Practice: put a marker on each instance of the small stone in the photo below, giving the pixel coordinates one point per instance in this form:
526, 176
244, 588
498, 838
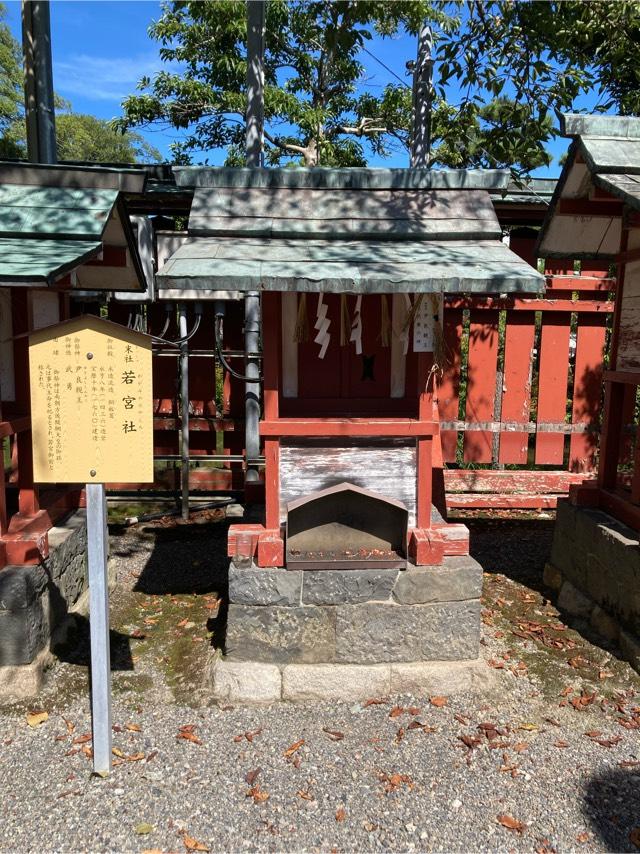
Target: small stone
410, 828
455, 805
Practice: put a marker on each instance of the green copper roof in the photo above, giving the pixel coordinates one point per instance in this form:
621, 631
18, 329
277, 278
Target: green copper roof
362, 266
54, 211
29, 260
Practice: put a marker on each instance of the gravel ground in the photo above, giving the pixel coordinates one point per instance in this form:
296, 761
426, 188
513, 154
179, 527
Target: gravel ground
550, 761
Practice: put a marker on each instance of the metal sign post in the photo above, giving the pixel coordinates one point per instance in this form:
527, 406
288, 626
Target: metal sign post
97, 539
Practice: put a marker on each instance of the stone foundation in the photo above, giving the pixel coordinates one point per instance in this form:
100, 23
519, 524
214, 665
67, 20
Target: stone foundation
595, 569
34, 602
302, 634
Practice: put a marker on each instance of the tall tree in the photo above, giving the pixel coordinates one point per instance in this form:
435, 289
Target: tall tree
504, 69
83, 137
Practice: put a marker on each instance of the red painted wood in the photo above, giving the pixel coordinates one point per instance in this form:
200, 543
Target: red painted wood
272, 483
552, 385
424, 488
587, 391
610, 441
449, 386
486, 480
271, 353
517, 375
481, 383
558, 265
531, 304
501, 502
348, 427
112, 256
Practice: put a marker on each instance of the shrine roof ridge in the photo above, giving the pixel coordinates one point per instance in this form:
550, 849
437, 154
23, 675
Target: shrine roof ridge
356, 178
601, 126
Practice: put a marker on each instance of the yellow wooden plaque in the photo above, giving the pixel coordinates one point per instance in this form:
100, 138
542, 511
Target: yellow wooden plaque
91, 403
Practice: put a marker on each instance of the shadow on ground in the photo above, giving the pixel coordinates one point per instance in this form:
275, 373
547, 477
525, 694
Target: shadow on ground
612, 808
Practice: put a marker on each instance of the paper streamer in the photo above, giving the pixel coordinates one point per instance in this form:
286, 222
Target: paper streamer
322, 324
356, 326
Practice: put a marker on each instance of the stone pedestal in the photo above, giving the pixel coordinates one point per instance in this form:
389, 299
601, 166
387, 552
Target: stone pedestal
34, 601
595, 569
350, 634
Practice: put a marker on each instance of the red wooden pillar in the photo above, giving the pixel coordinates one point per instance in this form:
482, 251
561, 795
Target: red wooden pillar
271, 372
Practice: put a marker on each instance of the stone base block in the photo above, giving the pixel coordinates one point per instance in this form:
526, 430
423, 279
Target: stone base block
441, 677
426, 546
552, 577
24, 682
256, 683
334, 681
246, 682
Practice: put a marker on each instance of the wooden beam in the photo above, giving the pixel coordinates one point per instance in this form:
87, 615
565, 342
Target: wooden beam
400, 427
590, 207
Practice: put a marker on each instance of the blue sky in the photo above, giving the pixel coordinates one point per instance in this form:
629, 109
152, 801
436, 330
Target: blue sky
101, 49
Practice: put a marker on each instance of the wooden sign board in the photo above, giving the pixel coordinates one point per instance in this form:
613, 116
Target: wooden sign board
91, 403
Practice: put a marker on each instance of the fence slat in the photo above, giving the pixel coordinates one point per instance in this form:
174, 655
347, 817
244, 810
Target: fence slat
552, 385
587, 390
516, 396
481, 383
449, 390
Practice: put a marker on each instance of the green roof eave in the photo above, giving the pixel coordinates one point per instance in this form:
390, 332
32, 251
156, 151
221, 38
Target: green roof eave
348, 267
32, 261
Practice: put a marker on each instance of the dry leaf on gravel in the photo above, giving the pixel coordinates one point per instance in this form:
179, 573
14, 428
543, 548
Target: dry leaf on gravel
251, 776
82, 739
133, 727
293, 747
582, 837
340, 814
258, 795
192, 844
305, 794
334, 734
439, 702
187, 734
36, 719
511, 823
374, 701
396, 711
144, 828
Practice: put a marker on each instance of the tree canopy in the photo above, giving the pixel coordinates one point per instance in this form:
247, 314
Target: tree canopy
503, 71
78, 136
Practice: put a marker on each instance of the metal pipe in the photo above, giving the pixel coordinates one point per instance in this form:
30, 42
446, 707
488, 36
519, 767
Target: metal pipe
184, 409
38, 82
252, 385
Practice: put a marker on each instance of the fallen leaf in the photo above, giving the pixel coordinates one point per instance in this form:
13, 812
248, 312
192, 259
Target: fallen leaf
82, 739
529, 727
187, 733
334, 734
143, 828
133, 727
340, 814
36, 719
372, 702
413, 710
438, 701
399, 735
511, 823
582, 837
396, 711
305, 794
70, 726
293, 747
634, 837
117, 752
629, 763
192, 844
251, 776
134, 757
257, 794
560, 743
521, 746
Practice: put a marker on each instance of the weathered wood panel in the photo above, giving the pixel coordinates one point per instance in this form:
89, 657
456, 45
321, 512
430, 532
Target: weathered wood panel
552, 385
481, 383
516, 387
385, 467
